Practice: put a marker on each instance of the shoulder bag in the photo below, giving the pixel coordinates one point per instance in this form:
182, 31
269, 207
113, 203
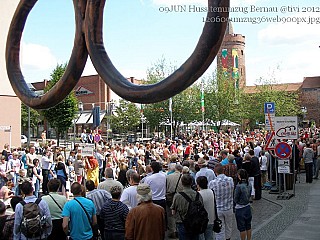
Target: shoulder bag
95, 228
55, 202
217, 223
169, 196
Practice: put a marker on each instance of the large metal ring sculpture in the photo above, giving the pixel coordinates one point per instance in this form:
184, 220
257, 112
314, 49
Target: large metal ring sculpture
89, 39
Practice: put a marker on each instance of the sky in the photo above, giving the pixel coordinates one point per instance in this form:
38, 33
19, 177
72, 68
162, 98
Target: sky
139, 33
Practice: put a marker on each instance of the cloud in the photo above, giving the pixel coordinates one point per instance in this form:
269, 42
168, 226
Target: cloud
290, 33
126, 72
37, 57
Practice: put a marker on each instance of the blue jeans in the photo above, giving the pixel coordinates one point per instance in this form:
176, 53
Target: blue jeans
183, 235
314, 166
208, 234
37, 188
15, 189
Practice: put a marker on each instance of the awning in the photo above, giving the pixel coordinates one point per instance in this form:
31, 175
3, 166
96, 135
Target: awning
84, 117
90, 121
87, 118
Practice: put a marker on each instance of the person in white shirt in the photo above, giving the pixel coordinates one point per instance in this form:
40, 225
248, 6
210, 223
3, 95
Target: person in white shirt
157, 183
46, 162
208, 202
257, 150
263, 160
129, 195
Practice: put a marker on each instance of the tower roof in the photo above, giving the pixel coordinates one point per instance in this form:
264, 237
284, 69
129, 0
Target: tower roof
229, 29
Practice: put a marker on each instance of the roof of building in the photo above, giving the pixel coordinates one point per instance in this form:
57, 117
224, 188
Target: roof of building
229, 29
311, 82
288, 87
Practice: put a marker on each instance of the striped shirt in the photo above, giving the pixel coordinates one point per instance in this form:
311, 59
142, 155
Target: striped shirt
223, 189
114, 214
98, 197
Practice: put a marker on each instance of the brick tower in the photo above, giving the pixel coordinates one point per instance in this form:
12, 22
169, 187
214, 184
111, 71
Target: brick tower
231, 58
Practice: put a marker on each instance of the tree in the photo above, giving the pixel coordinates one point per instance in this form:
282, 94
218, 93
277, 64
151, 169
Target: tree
62, 115
287, 103
34, 118
126, 117
221, 98
185, 105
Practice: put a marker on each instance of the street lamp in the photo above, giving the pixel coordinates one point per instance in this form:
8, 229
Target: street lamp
110, 106
80, 109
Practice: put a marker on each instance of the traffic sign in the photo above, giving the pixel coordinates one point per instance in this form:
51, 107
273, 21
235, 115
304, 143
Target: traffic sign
271, 141
284, 165
283, 150
286, 127
269, 121
283, 169
269, 107
283, 162
5, 128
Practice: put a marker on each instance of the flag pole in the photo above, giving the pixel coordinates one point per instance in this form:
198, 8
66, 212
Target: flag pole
170, 110
202, 104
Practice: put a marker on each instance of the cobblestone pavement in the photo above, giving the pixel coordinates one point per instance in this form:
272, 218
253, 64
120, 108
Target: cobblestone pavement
291, 210
271, 216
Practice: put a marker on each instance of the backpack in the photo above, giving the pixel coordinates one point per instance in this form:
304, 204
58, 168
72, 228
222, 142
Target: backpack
32, 221
196, 219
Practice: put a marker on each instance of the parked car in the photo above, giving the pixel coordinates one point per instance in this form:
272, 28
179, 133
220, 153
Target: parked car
24, 139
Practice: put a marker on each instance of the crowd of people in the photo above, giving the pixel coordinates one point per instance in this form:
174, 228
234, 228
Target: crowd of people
141, 190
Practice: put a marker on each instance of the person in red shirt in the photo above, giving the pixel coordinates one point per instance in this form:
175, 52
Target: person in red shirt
187, 151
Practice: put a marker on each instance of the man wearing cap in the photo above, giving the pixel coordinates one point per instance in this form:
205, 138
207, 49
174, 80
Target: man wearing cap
204, 171
146, 221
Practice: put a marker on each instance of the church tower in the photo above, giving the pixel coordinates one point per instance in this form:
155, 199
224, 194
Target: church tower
231, 57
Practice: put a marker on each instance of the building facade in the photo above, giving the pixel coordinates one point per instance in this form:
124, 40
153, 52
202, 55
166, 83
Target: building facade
91, 92
10, 119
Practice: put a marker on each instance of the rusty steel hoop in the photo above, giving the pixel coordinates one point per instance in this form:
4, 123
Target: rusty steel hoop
89, 40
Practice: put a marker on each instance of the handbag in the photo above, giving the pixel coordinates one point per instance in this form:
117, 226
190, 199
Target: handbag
169, 196
217, 223
95, 228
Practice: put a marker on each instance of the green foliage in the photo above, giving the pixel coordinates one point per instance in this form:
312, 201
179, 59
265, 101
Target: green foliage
34, 118
185, 105
221, 98
287, 103
126, 117
62, 115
